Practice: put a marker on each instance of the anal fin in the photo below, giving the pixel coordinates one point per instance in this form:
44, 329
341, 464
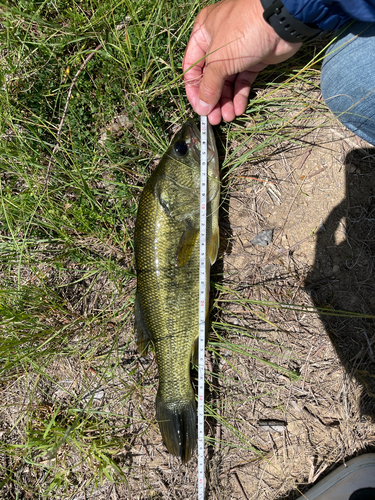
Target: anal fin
213, 245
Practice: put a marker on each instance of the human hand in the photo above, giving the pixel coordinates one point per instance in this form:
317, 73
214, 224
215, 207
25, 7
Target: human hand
237, 43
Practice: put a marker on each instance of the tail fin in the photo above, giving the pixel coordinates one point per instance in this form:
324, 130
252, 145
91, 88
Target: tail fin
178, 426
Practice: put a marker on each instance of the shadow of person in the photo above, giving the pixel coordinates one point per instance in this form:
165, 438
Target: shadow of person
343, 275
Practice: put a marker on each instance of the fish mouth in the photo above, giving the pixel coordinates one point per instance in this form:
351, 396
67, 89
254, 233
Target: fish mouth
192, 136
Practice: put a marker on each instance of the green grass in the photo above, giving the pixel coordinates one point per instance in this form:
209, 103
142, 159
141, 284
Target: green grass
67, 209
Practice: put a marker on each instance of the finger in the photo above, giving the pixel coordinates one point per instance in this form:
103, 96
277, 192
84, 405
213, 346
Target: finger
210, 89
242, 87
226, 100
215, 116
192, 91
193, 63
193, 60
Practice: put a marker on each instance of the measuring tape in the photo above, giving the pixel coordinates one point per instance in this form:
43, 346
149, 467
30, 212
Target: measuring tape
202, 305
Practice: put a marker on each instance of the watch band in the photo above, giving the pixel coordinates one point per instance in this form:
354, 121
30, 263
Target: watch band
285, 25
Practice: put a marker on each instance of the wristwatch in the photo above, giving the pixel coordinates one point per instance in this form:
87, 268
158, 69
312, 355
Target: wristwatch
285, 25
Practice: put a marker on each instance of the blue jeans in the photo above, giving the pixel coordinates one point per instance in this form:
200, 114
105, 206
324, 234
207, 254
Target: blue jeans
348, 79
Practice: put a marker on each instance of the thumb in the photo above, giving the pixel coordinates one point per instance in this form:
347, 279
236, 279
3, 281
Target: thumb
210, 90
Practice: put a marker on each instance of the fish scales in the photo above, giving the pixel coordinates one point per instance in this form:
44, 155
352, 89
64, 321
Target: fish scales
167, 260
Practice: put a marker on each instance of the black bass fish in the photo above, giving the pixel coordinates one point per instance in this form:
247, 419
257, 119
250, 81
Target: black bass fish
167, 259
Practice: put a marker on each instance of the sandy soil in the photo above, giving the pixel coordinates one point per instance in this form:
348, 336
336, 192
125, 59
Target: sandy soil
319, 201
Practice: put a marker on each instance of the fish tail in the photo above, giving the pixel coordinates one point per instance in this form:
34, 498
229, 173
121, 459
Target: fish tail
178, 426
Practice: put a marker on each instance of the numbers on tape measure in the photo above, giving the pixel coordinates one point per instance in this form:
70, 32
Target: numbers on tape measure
202, 305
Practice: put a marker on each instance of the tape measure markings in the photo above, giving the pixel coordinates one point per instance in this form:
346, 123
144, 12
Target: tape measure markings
202, 305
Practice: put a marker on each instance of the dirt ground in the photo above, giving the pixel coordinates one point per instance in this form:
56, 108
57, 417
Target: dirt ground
319, 201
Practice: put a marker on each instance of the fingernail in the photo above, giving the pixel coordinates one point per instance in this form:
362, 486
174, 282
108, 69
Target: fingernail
203, 108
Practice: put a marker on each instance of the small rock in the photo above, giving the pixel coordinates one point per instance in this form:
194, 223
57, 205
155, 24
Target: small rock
321, 227
95, 396
116, 128
263, 238
350, 168
272, 425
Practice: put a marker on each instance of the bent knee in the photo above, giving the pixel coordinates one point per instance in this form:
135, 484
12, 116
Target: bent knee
348, 82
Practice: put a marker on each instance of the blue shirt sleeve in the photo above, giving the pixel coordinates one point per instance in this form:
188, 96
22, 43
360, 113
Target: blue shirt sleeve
330, 15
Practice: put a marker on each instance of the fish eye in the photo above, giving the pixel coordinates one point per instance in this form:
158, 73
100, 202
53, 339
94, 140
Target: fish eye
180, 148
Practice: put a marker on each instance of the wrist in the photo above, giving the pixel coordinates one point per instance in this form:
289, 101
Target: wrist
287, 26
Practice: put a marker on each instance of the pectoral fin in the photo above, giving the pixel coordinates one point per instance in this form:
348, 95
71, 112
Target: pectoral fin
213, 246
142, 333
186, 244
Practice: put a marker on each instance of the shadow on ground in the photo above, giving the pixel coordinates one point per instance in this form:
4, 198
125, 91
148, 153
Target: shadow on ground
343, 275
343, 279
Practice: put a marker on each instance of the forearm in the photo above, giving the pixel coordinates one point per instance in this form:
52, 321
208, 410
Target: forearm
331, 15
